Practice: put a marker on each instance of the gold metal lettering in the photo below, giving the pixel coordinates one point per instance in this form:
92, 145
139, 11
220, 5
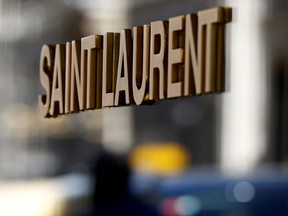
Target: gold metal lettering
110, 64
45, 70
141, 45
68, 78
175, 57
99, 71
220, 56
158, 82
123, 83
78, 80
57, 95
89, 46
208, 21
184, 57
192, 75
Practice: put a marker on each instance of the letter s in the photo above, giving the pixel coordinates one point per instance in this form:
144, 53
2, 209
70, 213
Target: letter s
46, 73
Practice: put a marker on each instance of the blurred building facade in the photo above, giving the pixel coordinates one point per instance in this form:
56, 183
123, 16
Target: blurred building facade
244, 126
236, 131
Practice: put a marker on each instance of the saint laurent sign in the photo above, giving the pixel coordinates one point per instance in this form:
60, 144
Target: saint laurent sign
161, 60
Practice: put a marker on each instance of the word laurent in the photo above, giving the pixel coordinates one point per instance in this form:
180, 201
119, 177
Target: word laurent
166, 59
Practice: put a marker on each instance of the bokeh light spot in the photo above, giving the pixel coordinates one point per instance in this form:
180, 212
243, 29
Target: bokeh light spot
244, 191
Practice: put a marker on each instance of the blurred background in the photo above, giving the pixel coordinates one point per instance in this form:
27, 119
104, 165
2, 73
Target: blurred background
219, 154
